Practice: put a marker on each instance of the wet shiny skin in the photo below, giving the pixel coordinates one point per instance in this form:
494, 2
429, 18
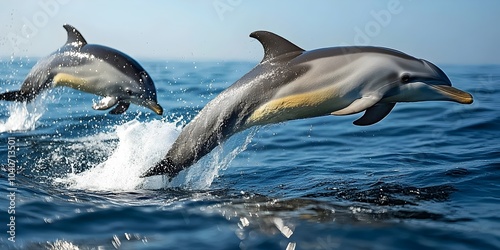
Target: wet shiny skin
424, 177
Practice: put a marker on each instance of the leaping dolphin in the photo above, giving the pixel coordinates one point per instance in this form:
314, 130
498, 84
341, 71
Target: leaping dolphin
290, 83
94, 69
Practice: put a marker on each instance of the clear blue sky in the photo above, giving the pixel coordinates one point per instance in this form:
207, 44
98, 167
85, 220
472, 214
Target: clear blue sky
458, 31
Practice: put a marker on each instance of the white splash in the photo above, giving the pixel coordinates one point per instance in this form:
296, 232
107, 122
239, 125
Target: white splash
23, 116
201, 175
140, 146
74, 153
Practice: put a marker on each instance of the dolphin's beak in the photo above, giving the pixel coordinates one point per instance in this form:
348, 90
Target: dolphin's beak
453, 94
155, 107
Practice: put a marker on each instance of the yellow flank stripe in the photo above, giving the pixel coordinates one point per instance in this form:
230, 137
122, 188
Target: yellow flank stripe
309, 99
63, 79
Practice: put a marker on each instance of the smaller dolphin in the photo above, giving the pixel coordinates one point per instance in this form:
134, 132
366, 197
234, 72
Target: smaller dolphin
94, 69
290, 83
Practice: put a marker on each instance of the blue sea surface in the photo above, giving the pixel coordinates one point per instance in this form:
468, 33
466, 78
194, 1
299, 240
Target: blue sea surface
425, 177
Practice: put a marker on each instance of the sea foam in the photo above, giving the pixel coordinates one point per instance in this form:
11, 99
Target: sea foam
140, 146
23, 116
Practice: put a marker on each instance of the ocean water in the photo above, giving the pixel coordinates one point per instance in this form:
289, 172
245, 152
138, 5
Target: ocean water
426, 177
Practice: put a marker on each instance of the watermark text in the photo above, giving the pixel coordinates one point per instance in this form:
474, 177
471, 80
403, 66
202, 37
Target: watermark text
31, 26
12, 189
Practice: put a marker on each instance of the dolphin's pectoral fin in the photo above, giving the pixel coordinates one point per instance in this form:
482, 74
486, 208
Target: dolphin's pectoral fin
358, 105
105, 103
374, 114
120, 108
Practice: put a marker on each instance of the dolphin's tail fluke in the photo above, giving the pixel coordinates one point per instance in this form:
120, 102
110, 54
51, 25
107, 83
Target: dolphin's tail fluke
164, 167
15, 96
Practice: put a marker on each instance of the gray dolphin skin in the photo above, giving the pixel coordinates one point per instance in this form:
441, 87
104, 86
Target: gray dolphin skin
290, 83
94, 69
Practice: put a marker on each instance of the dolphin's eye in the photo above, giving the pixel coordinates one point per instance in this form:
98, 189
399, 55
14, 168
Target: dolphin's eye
129, 92
405, 78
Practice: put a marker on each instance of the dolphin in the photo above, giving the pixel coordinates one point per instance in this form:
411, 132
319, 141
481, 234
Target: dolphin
94, 69
290, 83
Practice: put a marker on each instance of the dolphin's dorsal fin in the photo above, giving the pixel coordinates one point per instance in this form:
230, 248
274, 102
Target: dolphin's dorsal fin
274, 45
75, 38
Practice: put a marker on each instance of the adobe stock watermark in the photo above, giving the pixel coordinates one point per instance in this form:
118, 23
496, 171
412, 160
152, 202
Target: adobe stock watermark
381, 19
12, 189
222, 7
31, 26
